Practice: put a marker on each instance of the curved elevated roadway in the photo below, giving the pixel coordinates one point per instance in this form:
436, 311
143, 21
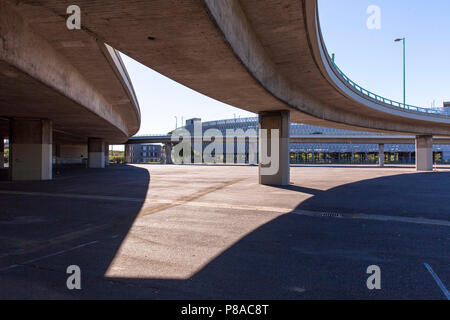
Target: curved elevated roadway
50, 72
256, 55
261, 56
59, 88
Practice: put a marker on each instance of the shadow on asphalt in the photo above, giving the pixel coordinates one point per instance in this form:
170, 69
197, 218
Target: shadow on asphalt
92, 214
291, 257
424, 195
298, 257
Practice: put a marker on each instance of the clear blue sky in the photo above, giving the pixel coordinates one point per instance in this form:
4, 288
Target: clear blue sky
161, 99
372, 58
369, 57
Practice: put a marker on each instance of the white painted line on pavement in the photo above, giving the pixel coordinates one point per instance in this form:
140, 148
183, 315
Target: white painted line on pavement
438, 281
376, 217
317, 214
146, 201
69, 195
48, 256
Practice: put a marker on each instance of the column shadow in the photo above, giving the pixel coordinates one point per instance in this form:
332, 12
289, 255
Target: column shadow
290, 257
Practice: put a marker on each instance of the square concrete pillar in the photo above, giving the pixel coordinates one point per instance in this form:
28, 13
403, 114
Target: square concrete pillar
252, 152
424, 153
106, 154
127, 153
274, 148
96, 153
31, 149
168, 152
381, 155
2, 152
57, 149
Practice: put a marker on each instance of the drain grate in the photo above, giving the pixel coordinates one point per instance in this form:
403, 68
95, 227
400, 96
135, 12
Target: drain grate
331, 214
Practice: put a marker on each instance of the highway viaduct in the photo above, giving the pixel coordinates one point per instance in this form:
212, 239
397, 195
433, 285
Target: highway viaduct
61, 86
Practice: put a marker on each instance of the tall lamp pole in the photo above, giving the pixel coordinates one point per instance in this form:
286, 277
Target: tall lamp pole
404, 68
176, 122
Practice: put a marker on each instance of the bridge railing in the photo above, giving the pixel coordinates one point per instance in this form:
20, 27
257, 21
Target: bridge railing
384, 100
151, 135
231, 121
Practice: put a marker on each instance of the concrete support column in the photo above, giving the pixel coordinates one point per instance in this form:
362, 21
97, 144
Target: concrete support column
168, 153
381, 155
106, 154
252, 152
57, 153
446, 156
277, 171
96, 153
127, 153
2, 152
424, 153
31, 150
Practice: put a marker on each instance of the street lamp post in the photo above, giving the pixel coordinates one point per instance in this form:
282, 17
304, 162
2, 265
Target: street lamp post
404, 68
176, 122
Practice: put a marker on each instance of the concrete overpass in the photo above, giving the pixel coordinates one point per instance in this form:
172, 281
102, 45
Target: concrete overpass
60, 92
266, 57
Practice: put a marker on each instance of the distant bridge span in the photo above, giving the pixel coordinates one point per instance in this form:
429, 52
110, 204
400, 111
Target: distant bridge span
321, 139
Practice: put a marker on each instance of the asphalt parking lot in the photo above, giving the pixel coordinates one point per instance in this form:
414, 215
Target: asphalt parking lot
212, 232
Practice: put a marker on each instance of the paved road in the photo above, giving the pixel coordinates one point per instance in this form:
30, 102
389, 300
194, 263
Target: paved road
192, 232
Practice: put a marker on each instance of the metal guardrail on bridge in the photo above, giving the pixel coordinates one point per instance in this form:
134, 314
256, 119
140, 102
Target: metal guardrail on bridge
384, 100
